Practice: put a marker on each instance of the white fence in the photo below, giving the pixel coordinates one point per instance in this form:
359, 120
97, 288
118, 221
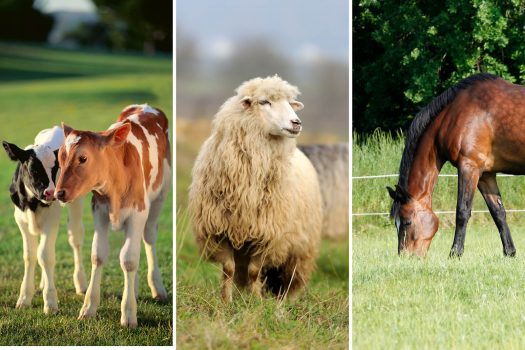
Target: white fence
438, 211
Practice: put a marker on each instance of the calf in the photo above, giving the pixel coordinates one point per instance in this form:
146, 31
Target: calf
37, 214
127, 167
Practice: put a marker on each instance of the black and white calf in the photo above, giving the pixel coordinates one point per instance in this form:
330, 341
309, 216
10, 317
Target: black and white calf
38, 214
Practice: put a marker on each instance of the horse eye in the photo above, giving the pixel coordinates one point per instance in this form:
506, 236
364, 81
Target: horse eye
264, 102
82, 159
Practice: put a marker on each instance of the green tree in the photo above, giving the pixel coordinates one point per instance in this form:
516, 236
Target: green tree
21, 22
138, 24
406, 53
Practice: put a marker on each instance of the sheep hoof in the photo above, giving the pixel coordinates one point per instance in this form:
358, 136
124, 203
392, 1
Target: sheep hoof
23, 303
129, 322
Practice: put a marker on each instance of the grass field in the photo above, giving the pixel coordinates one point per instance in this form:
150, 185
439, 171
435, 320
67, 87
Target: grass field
436, 302
39, 88
316, 319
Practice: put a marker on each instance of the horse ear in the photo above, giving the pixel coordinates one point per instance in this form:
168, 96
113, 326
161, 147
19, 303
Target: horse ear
402, 195
391, 192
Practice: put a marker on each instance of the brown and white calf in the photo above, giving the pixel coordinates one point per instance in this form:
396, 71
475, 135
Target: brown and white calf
127, 167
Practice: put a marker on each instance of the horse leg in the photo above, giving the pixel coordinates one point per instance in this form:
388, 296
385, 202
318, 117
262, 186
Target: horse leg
489, 189
468, 176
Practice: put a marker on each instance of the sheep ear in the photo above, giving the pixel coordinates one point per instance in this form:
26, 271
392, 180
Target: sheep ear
296, 105
246, 102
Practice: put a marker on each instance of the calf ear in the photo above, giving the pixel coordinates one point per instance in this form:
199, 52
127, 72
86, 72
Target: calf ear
14, 152
118, 136
296, 105
67, 129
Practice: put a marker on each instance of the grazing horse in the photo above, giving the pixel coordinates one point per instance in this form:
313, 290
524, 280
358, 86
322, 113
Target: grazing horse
476, 125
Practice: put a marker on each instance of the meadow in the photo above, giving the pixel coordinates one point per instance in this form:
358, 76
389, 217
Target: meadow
39, 88
475, 302
316, 319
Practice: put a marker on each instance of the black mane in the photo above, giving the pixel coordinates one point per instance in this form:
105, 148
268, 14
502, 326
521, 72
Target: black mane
423, 120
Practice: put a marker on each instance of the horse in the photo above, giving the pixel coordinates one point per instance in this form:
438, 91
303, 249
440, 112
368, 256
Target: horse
477, 126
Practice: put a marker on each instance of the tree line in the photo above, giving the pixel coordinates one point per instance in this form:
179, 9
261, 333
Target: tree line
407, 52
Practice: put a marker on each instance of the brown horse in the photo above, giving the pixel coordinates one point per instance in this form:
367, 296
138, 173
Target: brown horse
477, 125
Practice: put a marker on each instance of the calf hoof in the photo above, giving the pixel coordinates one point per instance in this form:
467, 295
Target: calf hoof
162, 298
511, 253
130, 322
23, 303
50, 310
81, 291
87, 313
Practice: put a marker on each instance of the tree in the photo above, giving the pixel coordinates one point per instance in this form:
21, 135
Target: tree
406, 53
20, 21
148, 24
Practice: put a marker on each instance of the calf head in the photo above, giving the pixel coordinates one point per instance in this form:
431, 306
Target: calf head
38, 167
84, 160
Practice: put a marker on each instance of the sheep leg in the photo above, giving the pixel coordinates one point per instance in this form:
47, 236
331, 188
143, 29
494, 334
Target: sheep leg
254, 275
224, 255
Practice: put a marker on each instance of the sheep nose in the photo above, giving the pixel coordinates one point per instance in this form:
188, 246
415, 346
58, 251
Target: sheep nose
60, 195
296, 124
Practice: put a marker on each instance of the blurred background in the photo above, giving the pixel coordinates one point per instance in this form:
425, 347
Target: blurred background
81, 62
222, 44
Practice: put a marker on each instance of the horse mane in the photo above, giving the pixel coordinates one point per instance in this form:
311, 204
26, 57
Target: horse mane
420, 123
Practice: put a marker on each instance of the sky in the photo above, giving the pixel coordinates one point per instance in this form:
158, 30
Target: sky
301, 29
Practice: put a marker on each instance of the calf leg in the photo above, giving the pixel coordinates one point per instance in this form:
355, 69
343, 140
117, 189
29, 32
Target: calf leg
46, 259
27, 289
129, 262
489, 189
150, 236
467, 181
75, 231
99, 255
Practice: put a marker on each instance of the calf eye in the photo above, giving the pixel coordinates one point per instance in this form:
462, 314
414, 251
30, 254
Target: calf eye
82, 159
407, 222
265, 102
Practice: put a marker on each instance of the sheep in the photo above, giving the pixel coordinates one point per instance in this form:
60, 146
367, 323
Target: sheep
331, 164
254, 200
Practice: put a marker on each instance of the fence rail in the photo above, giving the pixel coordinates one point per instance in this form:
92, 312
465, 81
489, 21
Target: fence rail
438, 211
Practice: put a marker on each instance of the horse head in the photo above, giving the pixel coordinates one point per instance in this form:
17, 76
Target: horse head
416, 223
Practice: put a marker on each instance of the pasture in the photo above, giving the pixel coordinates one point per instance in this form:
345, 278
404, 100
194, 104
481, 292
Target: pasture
400, 302
40, 87
317, 318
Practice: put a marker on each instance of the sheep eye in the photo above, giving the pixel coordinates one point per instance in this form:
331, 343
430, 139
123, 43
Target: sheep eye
265, 102
82, 159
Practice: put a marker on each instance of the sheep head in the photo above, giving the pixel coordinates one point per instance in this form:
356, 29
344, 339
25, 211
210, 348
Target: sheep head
272, 100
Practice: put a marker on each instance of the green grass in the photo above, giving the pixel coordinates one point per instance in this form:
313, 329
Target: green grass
316, 319
436, 302
40, 87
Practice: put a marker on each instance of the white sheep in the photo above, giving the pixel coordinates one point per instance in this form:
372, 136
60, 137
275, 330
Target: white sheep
331, 164
255, 201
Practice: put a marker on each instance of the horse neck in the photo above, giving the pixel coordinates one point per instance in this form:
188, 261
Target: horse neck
425, 169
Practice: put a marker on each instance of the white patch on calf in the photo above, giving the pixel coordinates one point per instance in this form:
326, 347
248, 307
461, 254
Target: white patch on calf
152, 150
398, 223
71, 140
145, 108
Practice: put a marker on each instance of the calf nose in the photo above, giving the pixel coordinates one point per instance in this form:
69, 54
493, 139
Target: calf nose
60, 195
49, 193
